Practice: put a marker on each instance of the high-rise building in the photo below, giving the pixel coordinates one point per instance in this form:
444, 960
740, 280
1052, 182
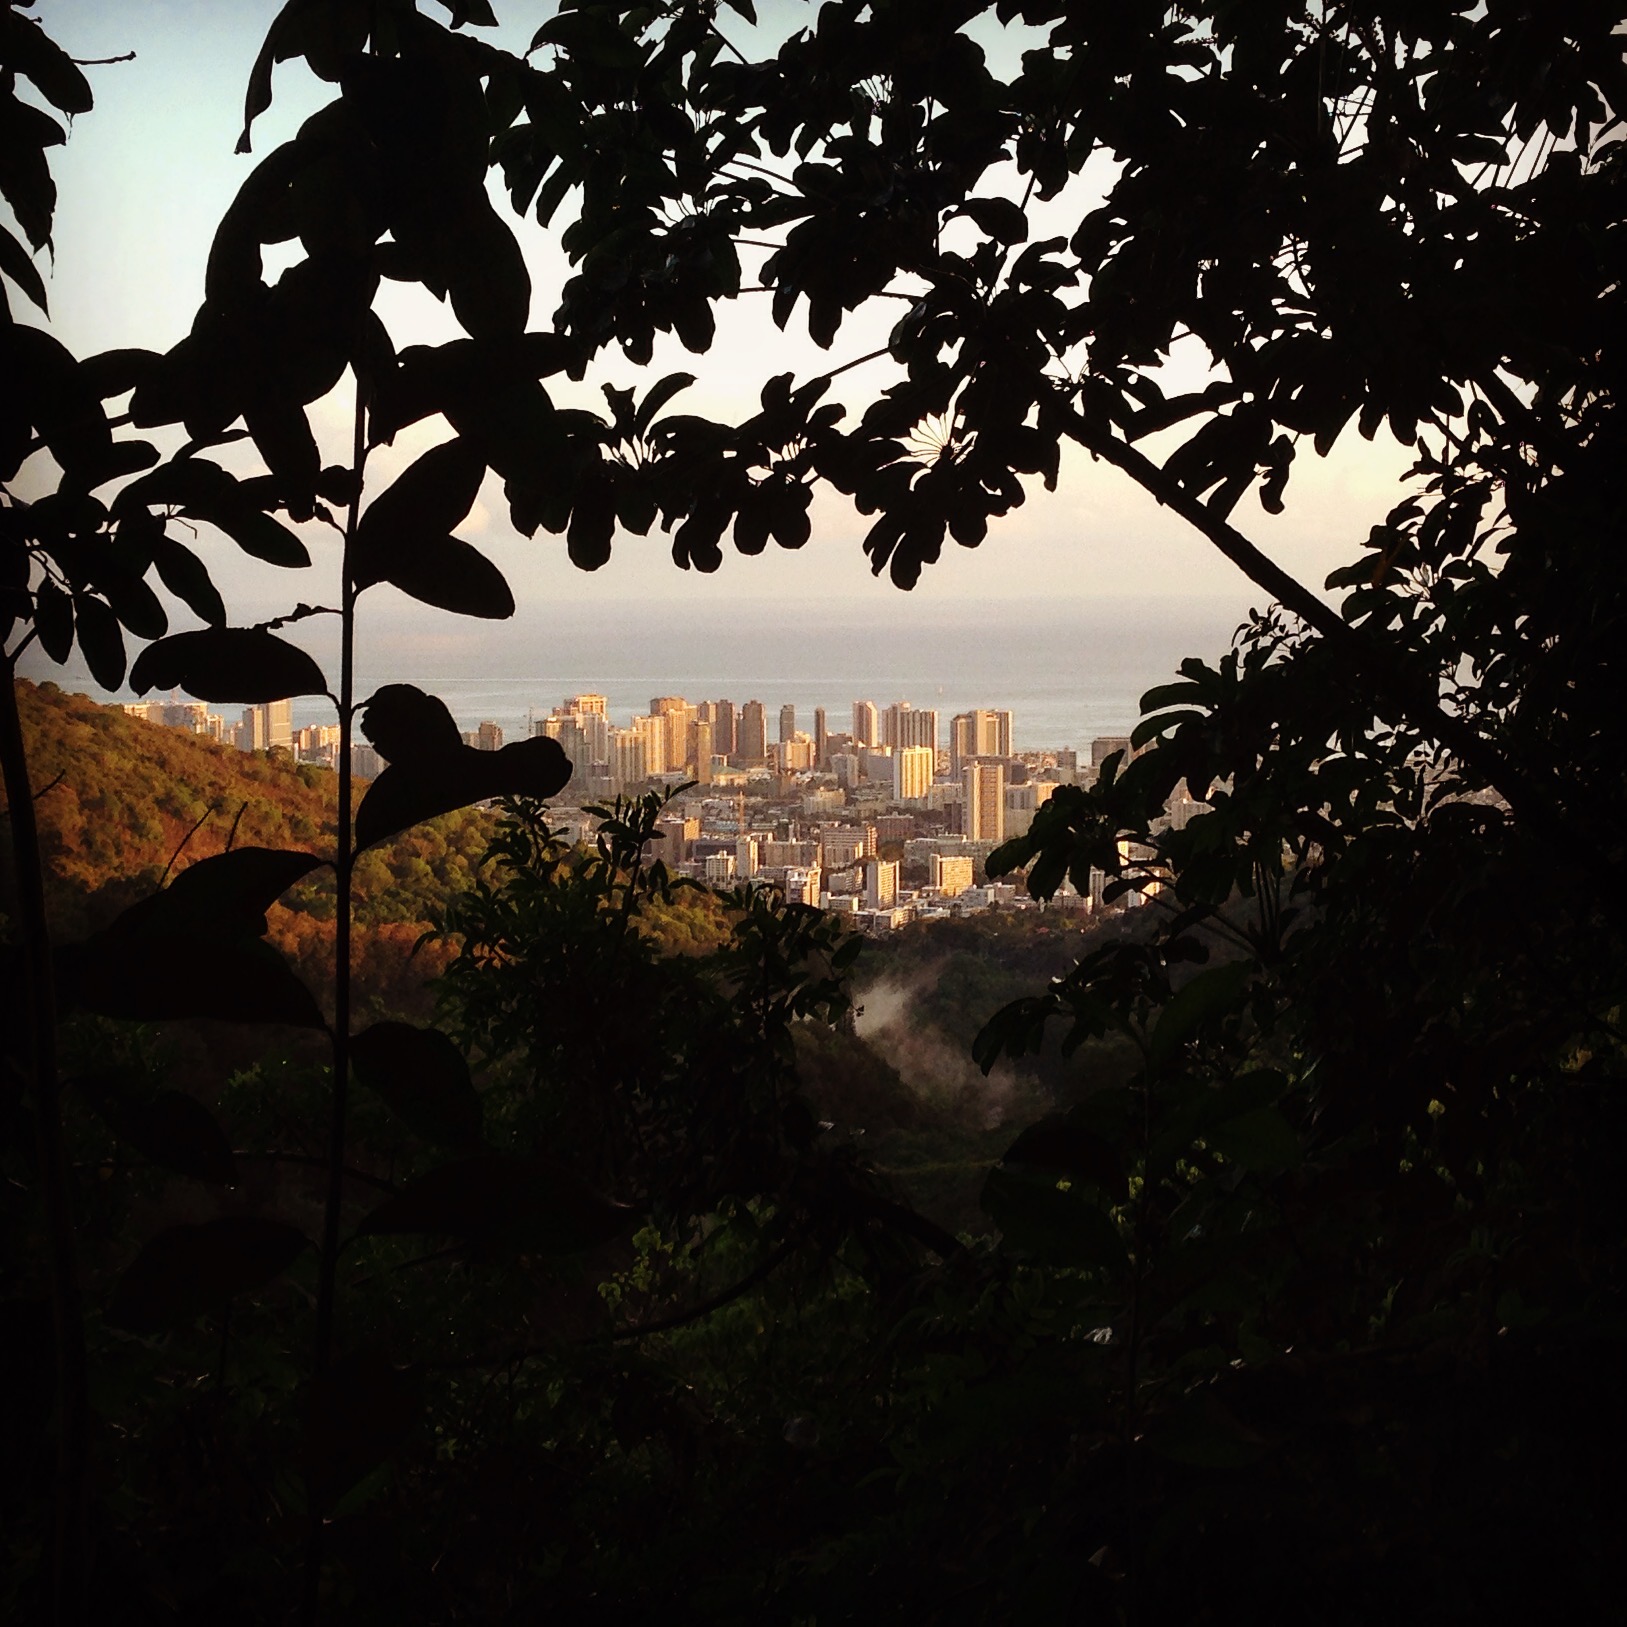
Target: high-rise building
699, 756
985, 807
487, 737
913, 767
678, 834
268, 725
653, 729
593, 705
317, 743
572, 735
725, 726
866, 730
1103, 748
788, 722
679, 714
978, 734
880, 883
629, 766
752, 737
902, 725
821, 739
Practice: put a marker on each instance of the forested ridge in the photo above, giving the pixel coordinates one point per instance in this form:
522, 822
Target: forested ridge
1294, 1289
127, 797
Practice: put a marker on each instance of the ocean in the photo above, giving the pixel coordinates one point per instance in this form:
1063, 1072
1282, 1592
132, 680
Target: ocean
1067, 672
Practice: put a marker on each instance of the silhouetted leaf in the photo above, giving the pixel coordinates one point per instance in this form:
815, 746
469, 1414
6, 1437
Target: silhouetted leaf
282, 432
185, 575
152, 976
226, 895
53, 619
187, 1270
174, 1130
101, 640
407, 792
1054, 1143
27, 49
531, 1203
18, 264
422, 1078
1260, 1141
1209, 995
403, 536
1203, 1432
659, 395
1000, 218
443, 571
488, 286
404, 723
1058, 1226
435, 492
358, 1412
245, 665
113, 373
260, 536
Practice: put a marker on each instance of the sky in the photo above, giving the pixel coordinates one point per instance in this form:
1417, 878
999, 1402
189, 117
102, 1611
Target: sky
145, 177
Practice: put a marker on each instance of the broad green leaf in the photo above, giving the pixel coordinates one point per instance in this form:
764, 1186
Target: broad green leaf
1056, 1144
532, 1203
358, 1413
1054, 1224
1209, 995
1260, 1141
157, 976
1203, 1432
421, 1076
174, 1130
185, 1271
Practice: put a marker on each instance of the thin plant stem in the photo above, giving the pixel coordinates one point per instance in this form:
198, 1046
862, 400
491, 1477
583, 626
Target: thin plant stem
66, 1545
344, 867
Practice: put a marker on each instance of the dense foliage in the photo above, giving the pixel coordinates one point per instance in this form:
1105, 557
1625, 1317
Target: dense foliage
1307, 1303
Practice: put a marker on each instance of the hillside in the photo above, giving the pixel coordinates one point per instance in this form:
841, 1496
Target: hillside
118, 798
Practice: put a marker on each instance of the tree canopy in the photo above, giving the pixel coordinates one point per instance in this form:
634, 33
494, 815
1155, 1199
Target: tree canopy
1317, 1299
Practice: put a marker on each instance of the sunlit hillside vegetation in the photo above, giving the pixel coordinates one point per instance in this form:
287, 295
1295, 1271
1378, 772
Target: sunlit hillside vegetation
123, 799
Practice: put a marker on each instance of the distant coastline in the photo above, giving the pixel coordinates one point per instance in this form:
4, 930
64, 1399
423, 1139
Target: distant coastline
1067, 670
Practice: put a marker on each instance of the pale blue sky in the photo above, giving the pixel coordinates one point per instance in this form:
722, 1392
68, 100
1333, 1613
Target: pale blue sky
147, 174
